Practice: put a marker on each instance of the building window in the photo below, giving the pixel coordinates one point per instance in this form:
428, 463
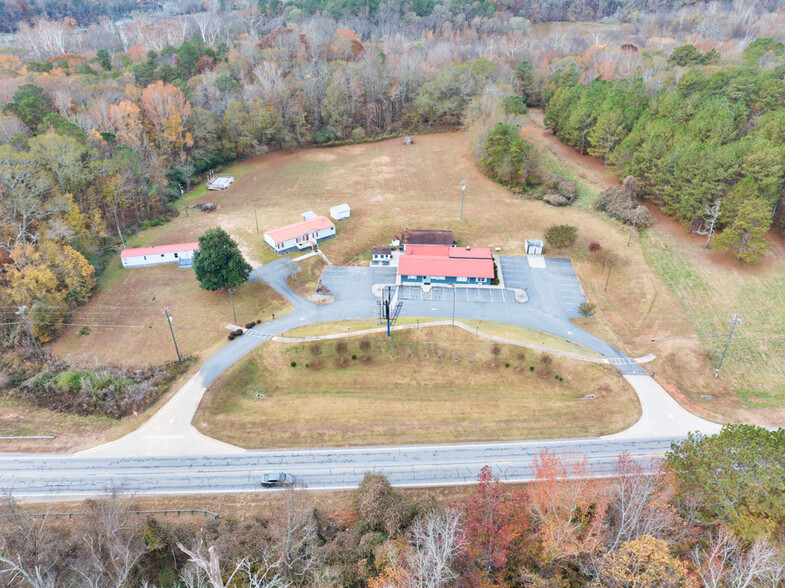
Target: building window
412, 277
437, 277
480, 280
162, 255
175, 256
463, 279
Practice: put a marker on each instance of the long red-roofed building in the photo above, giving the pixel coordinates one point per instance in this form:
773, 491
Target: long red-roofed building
440, 264
181, 253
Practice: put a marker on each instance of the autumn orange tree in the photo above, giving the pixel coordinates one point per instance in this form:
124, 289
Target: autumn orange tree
495, 528
567, 509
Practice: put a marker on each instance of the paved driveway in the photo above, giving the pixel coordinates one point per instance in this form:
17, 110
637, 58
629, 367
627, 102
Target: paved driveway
565, 285
354, 283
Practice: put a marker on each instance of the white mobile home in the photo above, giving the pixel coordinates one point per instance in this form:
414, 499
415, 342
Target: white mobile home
302, 235
180, 253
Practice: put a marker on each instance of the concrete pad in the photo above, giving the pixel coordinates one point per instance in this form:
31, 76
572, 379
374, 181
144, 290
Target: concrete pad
536, 261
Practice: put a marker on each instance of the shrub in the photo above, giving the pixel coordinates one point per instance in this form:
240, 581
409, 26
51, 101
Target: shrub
514, 105
531, 368
594, 247
258, 321
83, 331
506, 364
250, 325
586, 309
354, 356
231, 336
358, 134
381, 507
238, 333
619, 202
293, 364
323, 135
561, 236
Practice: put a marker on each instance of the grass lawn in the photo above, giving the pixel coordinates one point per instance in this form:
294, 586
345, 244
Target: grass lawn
498, 329
431, 385
307, 279
137, 297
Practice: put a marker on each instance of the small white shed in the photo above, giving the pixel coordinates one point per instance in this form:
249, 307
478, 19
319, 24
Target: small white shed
340, 211
534, 247
308, 215
180, 253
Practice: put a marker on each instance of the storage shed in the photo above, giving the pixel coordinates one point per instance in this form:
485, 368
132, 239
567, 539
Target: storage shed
381, 255
180, 253
534, 247
340, 211
302, 235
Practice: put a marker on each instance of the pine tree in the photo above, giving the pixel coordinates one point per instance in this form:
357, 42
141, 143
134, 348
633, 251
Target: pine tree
218, 263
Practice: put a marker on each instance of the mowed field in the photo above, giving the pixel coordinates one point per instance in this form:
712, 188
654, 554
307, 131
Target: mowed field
126, 324
433, 385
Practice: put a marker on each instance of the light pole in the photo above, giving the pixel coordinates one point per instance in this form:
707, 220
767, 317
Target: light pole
453, 305
257, 219
463, 191
610, 267
171, 330
733, 322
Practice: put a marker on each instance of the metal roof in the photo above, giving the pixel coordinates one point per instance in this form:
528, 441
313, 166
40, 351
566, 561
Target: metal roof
440, 260
295, 230
158, 249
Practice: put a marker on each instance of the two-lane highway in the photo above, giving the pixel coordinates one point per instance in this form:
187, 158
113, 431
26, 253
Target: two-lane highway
37, 477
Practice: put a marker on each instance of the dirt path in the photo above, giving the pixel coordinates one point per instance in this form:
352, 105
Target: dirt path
588, 168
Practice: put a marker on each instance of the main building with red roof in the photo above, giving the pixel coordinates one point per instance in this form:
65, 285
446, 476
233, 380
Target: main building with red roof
302, 235
441, 264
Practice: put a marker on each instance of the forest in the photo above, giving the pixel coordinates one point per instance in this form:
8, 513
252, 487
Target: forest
702, 519
708, 151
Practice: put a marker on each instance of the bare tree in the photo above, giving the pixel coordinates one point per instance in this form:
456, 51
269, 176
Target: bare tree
207, 566
709, 221
436, 539
316, 352
111, 544
725, 562
297, 538
365, 348
496, 350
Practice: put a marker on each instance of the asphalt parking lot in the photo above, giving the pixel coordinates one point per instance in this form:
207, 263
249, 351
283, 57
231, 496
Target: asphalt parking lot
354, 283
554, 289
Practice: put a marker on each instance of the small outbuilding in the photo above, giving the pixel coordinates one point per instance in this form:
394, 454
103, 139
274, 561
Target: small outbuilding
220, 182
426, 237
381, 255
303, 235
534, 247
308, 215
180, 253
340, 211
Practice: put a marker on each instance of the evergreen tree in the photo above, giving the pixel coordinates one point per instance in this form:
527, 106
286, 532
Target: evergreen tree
218, 263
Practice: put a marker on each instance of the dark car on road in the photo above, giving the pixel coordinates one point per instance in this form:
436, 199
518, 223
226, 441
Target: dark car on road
277, 480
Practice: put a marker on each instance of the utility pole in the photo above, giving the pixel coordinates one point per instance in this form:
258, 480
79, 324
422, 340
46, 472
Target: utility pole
171, 330
21, 312
257, 219
463, 191
453, 306
234, 314
733, 322
610, 267
634, 220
